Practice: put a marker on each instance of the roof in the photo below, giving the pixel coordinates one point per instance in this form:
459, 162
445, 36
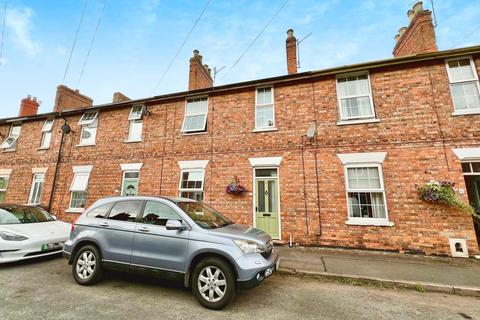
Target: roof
265, 81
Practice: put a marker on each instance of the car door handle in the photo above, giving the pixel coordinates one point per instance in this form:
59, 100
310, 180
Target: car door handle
103, 224
143, 229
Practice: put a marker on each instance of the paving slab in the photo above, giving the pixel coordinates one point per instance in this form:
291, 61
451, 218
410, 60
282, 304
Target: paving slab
442, 271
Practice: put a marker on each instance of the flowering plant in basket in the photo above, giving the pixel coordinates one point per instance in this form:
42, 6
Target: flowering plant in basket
234, 187
442, 192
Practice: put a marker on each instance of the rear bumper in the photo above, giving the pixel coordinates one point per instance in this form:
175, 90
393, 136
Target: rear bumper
254, 268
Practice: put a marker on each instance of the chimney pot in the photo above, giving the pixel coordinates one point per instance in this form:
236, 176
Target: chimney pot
289, 33
418, 7
410, 14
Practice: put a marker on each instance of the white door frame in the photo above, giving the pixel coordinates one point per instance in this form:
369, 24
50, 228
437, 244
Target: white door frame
254, 198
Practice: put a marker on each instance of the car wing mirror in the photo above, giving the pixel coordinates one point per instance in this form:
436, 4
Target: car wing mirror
175, 225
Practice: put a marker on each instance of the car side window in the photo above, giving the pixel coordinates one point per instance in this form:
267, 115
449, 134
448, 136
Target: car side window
158, 214
125, 211
99, 212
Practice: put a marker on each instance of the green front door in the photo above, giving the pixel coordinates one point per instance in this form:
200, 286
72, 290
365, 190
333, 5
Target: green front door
266, 206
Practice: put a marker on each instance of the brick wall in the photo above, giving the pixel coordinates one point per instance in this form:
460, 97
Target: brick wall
416, 129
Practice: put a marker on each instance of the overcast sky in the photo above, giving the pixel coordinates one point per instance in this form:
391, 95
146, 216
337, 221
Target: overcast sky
137, 40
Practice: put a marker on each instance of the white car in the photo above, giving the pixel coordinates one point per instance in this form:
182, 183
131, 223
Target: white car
28, 232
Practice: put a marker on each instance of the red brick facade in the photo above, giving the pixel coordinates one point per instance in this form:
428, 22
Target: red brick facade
416, 130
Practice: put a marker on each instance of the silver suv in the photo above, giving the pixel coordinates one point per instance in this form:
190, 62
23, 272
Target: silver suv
173, 238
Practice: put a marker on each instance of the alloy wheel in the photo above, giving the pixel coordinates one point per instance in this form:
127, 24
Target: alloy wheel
85, 265
212, 284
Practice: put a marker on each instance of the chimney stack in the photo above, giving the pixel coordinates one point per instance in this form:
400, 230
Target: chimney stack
200, 76
69, 99
28, 106
119, 97
419, 36
291, 46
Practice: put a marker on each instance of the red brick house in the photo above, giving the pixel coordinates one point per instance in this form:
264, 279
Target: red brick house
328, 158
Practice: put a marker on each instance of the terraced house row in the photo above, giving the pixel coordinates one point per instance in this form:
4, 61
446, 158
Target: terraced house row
329, 158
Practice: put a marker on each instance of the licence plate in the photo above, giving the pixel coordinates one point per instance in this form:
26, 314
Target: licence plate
277, 265
51, 246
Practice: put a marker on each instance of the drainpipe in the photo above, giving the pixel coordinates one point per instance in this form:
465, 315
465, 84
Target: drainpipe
65, 130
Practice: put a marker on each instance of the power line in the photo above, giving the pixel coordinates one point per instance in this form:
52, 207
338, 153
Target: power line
258, 36
3, 32
75, 40
182, 45
93, 40
467, 36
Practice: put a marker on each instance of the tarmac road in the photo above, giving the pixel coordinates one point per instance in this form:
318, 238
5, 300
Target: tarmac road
45, 289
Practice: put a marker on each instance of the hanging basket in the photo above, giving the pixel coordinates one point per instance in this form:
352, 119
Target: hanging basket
234, 187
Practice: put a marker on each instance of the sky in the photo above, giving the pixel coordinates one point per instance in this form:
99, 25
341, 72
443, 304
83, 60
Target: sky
137, 40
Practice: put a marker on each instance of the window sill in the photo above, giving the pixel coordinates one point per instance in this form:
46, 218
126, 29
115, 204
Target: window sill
466, 113
74, 210
357, 121
7, 151
132, 141
370, 222
45, 148
194, 133
86, 145
265, 129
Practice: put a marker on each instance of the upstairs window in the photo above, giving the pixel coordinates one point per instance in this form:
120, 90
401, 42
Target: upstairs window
37, 188
464, 85
196, 111
191, 184
264, 109
354, 97
11, 141
136, 123
46, 134
89, 123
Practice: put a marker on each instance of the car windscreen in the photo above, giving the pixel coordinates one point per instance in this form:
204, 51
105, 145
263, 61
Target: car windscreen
203, 215
18, 215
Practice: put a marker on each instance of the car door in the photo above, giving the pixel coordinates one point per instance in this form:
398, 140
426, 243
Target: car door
156, 247
117, 231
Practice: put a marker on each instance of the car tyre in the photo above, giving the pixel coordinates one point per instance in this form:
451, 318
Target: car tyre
87, 266
213, 283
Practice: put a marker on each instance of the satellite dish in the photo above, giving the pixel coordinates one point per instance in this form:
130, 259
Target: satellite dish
66, 128
312, 130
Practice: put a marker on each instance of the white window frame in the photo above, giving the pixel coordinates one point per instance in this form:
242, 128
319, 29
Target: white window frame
12, 145
47, 131
200, 131
38, 177
475, 79
362, 119
360, 220
132, 116
364, 160
90, 123
273, 126
180, 189
133, 119
79, 171
83, 121
6, 174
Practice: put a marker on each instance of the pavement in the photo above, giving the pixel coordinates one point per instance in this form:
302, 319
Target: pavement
440, 274
45, 289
